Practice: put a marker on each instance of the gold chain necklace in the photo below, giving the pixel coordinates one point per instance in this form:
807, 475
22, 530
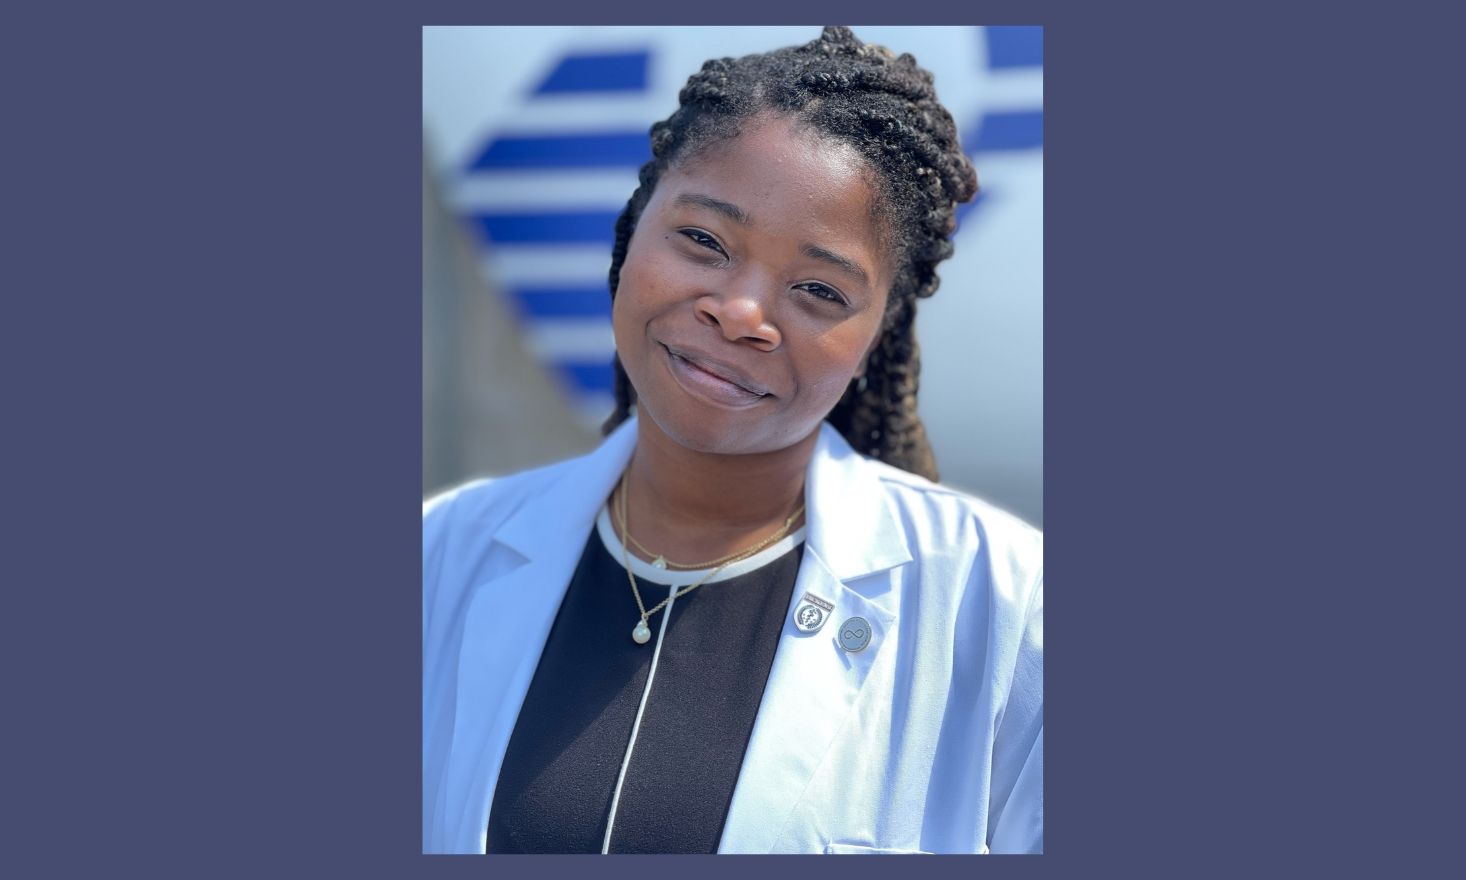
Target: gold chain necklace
641, 633
658, 560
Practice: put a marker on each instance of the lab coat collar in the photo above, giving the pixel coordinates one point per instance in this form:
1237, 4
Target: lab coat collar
849, 525
558, 519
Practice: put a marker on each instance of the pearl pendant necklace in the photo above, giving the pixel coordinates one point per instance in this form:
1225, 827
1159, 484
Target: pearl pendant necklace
641, 633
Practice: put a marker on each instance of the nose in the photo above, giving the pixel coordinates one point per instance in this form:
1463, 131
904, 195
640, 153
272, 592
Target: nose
742, 316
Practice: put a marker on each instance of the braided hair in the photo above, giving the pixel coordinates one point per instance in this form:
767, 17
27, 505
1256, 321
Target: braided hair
885, 107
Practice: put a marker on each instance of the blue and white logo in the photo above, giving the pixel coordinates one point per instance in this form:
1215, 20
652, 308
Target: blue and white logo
543, 182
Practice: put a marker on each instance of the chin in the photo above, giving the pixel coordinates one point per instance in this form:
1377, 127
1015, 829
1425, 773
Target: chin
722, 433
713, 435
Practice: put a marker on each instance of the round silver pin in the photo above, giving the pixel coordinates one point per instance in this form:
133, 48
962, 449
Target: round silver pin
854, 634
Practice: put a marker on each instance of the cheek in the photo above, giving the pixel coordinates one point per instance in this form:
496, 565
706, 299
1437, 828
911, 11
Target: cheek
631, 295
835, 370
642, 285
645, 297
829, 390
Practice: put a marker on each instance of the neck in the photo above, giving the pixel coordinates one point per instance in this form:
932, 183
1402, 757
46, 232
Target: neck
691, 505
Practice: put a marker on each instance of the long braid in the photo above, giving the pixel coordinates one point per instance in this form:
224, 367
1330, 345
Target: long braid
625, 225
878, 416
885, 106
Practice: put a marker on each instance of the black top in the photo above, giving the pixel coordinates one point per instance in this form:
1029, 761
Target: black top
559, 774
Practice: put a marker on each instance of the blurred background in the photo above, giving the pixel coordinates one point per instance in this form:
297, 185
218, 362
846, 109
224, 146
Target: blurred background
532, 139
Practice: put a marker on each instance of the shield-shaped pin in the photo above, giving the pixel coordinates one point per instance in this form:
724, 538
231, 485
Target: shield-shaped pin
811, 613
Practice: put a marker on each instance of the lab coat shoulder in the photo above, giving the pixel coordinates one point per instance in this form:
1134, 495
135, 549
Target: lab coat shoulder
984, 567
458, 524
976, 543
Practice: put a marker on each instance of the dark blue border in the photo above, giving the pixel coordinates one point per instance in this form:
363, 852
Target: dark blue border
213, 447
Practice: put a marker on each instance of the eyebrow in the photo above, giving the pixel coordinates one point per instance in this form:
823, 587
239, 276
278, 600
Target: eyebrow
739, 216
727, 209
816, 252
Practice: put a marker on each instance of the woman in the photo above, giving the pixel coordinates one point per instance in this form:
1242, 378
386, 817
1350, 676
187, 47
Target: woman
750, 621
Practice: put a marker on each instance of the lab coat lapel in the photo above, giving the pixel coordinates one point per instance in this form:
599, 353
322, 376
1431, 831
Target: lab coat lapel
852, 541
508, 620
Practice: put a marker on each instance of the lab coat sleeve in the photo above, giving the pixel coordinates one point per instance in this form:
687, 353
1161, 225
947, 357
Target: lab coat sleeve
1016, 820
435, 514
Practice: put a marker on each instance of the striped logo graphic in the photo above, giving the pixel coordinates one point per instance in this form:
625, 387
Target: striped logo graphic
543, 193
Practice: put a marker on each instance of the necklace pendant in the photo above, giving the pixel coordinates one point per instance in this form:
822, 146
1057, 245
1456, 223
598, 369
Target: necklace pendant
659, 562
642, 634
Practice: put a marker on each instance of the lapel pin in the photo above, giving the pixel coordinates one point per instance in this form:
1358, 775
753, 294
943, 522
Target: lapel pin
854, 634
811, 613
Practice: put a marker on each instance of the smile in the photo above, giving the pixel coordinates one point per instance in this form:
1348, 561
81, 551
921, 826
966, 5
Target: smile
701, 381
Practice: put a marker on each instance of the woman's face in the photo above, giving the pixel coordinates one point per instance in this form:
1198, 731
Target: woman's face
752, 290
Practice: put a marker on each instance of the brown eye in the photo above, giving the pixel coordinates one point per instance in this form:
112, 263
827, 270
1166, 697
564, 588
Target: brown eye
703, 239
822, 291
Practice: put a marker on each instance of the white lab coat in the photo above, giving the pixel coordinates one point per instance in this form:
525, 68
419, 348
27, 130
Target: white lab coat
928, 740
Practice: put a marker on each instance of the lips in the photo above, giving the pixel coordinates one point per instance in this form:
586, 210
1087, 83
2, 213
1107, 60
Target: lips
710, 378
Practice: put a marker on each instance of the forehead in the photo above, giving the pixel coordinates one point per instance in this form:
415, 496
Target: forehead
782, 174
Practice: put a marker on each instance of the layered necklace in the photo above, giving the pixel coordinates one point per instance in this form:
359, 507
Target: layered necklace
642, 633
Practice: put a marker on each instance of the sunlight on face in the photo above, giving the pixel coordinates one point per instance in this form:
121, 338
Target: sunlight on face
752, 290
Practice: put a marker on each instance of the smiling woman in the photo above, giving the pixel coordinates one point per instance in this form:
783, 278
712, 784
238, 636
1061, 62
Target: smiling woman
744, 307
846, 656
